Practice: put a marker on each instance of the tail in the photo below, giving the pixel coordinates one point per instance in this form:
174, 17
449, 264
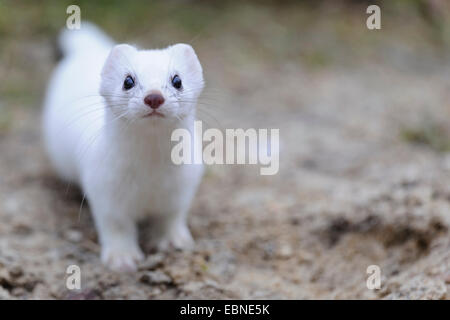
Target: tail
89, 36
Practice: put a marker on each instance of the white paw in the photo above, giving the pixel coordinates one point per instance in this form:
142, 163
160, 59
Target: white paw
178, 238
122, 259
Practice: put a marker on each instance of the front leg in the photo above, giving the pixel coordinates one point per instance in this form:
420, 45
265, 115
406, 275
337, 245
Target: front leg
118, 238
172, 231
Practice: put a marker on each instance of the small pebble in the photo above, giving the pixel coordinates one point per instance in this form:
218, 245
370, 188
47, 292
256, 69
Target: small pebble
152, 262
285, 251
73, 236
155, 277
16, 272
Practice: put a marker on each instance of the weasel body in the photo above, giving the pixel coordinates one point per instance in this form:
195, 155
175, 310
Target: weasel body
108, 118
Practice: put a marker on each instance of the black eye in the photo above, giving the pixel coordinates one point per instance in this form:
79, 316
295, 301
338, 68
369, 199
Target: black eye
176, 82
128, 83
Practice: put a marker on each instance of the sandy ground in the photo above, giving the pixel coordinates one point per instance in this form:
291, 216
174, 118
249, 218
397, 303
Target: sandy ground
351, 191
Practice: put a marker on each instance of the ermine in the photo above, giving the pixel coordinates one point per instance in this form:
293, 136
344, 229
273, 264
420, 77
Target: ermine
108, 117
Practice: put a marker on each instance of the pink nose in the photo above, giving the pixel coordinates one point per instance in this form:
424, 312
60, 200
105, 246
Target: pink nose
154, 100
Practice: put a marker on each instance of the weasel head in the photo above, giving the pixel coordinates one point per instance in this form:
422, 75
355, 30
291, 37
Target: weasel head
159, 84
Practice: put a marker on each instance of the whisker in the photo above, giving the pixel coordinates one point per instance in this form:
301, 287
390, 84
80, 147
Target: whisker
81, 207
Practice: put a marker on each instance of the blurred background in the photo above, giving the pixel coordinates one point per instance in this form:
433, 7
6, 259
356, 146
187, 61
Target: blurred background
364, 152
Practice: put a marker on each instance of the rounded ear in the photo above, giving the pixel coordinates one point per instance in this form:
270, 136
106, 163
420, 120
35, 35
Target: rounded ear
187, 53
121, 49
118, 56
